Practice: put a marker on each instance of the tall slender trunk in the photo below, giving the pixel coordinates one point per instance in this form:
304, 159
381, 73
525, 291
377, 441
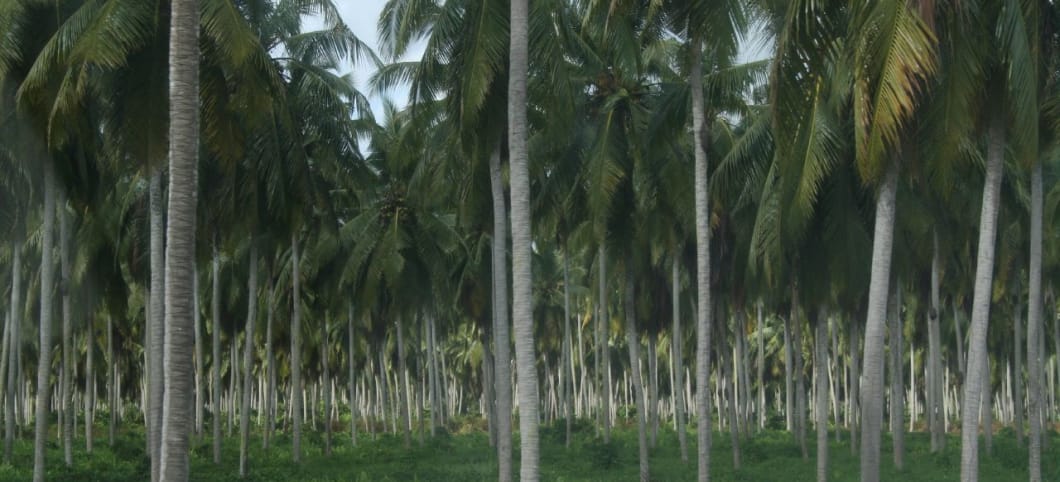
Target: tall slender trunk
215, 345
47, 283
789, 379
568, 364
855, 385
296, 351
501, 326
761, 365
961, 365
350, 355
248, 358
703, 301
327, 385
820, 364
935, 408
522, 287
800, 373
270, 369
875, 326
728, 362
90, 382
678, 359
403, 383
156, 330
66, 383
199, 386
14, 341
633, 341
1035, 332
984, 277
602, 337
897, 384
653, 387
112, 386
1017, 376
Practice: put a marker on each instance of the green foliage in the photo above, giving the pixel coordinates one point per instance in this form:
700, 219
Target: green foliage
769, 455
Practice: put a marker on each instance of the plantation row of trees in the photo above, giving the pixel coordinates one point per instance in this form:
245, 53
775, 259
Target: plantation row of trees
693, 240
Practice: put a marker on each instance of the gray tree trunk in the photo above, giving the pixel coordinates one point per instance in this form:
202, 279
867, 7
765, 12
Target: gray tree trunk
270, 375
112, 386
47, 283
199, 384
501, 326
875, 327
180, 237
327, 386
602, 340
156, 322
935, 387
855, 385
90, 382
403, 383
568, 364
14, 341
677, 390
633, 341
897, 411
653, 390
800, 376
215, 322
248, 358
984, 277
761, 365
1017, 376
820, 364
66, 382
296, 351
703, 299
350, 355
728, 362
789, 379
522, 296
1035, 332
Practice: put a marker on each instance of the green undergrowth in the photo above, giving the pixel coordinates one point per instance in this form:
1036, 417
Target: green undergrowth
463, 454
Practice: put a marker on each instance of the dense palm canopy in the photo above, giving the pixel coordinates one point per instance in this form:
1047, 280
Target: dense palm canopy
203, 220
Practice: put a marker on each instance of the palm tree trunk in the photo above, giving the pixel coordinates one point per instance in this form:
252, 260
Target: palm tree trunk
199, 386
855, 385
327, 386
875, 326
156, 330
296, 351
14, 341
727, 362
703, 301
215, 321
501, 326
47, 283
761, 365
522, 299
90, 383
1017, 376
602, 335
633, 341
567, 367
678, 360
1035, 334
789, 379
248, 358
403, 383
66, 381
984, 276
800, 376
270, 375
820, 362
897, 384
352, 384
938, 433
112, 379
180, 237
653, 387
960, 341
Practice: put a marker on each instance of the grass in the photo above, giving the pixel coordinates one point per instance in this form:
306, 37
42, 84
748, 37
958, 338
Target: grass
465, 455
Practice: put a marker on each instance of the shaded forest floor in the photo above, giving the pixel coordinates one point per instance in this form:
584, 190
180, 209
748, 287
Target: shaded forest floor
465, 455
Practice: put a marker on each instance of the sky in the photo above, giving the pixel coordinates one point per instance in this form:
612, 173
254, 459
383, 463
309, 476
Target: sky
362, 15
